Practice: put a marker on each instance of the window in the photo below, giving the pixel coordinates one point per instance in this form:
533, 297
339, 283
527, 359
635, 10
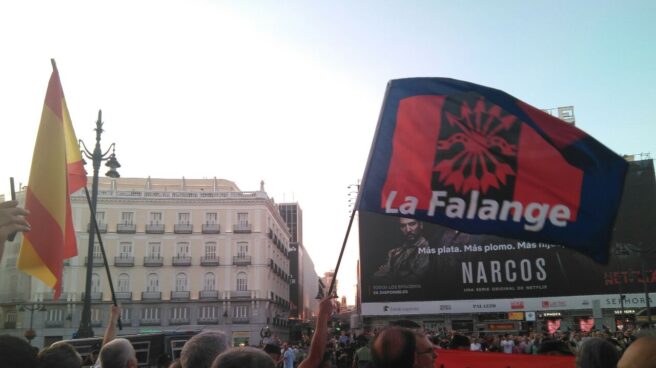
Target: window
127, 218
152, 283
184, 218
242, 249
154, 249
179, 313
210, 250
208, 312
181, 282
100, 217
211, 218
55, 315
125, 314
96, 315
123, 283
155, 218
150, 313
209, 282
182, 249
95, 283
242, 281
10, 317
125, 250
242, 219
240, 311
97, 252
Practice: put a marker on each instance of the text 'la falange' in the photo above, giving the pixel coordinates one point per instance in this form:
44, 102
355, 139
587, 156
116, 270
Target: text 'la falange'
534, 214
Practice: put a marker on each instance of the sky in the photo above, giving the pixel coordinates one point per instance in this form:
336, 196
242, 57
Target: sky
289, 92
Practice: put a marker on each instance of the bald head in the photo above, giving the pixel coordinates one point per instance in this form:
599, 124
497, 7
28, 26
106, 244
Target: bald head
640, 354
118, 353
394, 347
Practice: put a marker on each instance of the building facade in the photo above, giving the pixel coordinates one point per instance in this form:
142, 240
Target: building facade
183, 254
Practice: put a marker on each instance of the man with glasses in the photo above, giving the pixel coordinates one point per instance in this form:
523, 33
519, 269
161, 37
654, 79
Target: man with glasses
425, 352
398, 347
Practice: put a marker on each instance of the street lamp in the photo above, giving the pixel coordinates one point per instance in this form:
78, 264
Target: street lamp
30, 334
96, 157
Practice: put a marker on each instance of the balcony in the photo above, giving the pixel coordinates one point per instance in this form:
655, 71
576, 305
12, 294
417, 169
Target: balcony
179, 321
153, 261
241, 228
123, 295
124, 261
240, 320
211, 229
209, 294
151, 295
10, 325
53, 324
180, 295
97, 261
126, 228
240, 294
209, 261
95, 295
101, 226
155, 229
182, 261
149, 322
207, 320
241, 260
183, 228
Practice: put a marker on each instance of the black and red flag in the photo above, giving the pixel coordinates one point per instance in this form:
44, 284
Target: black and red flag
478, 160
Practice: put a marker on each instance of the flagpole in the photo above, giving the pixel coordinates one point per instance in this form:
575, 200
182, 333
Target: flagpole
102, 249
341, 253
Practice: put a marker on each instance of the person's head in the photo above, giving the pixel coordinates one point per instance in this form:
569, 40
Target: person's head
597, 353
425, 353
554, 347
273, 350
246, 357
16, 352
640, 354
118, 353
59, 355
460, 342
410, 228
394, 347
201, 350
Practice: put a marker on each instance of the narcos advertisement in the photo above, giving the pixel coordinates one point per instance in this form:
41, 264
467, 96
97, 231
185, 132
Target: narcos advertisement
409, 266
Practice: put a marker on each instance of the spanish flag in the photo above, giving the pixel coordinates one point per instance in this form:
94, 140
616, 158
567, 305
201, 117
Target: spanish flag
57, 171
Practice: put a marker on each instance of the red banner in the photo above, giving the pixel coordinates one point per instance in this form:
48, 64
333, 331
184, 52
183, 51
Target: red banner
473, 359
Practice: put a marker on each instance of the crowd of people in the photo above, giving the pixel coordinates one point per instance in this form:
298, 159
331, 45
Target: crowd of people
389, 347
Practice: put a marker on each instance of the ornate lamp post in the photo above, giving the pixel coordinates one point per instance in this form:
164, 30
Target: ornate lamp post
30, 334
96, 157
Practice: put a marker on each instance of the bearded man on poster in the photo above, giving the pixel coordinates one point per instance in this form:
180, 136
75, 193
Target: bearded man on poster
409, 262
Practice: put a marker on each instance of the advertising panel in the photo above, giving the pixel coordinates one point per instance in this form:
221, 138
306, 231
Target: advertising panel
411, 267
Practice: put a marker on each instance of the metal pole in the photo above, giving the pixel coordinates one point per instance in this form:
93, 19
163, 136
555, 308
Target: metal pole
85, 329
341, 253
622, 308
102, 249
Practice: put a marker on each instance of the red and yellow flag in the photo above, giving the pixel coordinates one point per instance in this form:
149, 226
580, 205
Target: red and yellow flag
57, 171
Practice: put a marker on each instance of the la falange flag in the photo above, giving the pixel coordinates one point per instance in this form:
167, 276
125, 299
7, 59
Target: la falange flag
57, 172
478, 160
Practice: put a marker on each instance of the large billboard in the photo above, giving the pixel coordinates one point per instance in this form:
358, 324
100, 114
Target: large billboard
410, 267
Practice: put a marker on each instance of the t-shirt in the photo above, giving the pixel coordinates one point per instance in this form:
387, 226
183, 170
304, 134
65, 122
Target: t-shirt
288, 359
507, 346
475, 346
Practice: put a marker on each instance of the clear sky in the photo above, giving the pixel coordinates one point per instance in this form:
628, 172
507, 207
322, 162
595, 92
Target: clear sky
289, 91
